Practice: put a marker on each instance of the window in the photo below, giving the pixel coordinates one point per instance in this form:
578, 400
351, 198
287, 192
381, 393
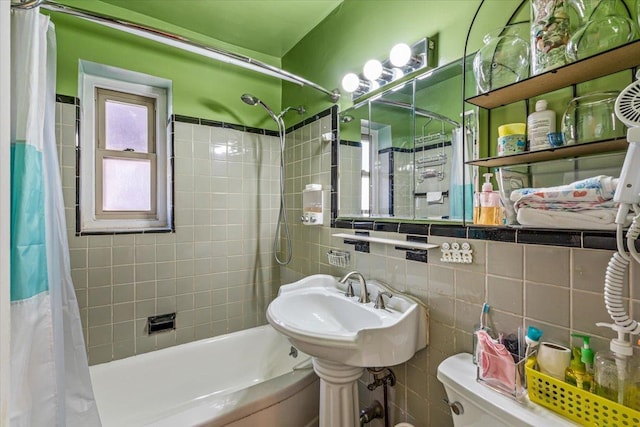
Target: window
125, 171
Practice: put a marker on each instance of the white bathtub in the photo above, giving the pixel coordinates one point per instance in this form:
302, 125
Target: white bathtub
241, 379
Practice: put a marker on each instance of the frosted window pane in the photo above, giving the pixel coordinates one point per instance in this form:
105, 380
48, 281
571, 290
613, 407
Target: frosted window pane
126, 126
126, 185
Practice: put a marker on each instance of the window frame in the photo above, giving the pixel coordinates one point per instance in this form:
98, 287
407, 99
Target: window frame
102, 96
91, 218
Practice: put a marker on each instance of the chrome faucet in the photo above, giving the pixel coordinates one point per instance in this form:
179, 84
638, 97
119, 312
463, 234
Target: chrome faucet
364, 295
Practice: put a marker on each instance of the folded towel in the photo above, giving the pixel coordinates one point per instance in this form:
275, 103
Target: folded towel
598, 219
597, 188
588, 194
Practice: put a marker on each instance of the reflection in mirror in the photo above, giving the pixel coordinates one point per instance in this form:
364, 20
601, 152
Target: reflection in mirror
401, 153
354, 163
391, 133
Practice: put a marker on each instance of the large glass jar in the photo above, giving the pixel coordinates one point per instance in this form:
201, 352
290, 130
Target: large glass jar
503, 60
591, 118
604, 24
549, 35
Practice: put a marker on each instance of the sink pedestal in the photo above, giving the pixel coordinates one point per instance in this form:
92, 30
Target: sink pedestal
338, 393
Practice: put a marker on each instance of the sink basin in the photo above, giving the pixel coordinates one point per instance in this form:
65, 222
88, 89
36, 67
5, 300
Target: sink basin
320, 320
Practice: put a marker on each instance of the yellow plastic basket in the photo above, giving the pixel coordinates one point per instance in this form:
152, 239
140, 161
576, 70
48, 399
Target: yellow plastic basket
578, 405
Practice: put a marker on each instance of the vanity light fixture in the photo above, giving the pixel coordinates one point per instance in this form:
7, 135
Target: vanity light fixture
403, 59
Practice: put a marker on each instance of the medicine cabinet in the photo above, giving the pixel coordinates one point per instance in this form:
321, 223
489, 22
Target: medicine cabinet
397, 155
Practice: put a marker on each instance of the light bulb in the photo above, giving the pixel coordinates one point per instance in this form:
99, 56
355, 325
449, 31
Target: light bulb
350, 82
400, 55
372, 70
397, 73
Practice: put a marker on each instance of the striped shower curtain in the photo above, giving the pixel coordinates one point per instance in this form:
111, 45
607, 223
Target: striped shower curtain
50, 383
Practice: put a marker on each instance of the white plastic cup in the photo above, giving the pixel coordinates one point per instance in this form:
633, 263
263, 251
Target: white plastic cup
553, 359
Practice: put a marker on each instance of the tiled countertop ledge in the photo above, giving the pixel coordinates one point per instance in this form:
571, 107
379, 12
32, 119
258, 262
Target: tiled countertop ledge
587, 239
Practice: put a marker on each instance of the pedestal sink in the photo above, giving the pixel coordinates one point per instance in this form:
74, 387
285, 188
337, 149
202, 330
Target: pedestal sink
344, 336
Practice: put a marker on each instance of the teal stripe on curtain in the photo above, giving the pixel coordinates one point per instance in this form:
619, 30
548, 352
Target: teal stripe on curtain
28, 250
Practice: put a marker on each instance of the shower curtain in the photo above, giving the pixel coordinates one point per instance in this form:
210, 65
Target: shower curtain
50, 383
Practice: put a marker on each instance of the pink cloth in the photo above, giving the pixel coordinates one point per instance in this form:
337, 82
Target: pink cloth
495, 361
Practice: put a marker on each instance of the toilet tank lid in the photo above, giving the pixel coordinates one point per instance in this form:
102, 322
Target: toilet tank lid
458, 373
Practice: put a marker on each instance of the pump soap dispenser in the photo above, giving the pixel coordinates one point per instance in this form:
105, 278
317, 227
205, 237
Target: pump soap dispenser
487, 209
611, 368
580, 372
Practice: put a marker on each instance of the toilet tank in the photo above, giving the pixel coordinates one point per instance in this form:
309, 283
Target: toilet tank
484, 407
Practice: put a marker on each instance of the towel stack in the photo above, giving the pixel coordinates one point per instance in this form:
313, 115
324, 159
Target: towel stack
585, 204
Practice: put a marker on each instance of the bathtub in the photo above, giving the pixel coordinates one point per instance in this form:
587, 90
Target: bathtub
243, 379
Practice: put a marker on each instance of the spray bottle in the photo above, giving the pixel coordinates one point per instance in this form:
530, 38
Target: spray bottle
487, 209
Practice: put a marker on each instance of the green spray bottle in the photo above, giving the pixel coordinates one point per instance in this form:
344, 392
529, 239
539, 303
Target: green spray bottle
580, 371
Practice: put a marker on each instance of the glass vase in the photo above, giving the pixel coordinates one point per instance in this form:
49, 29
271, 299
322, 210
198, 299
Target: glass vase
503, 60
549, 34
603, 25
591, 118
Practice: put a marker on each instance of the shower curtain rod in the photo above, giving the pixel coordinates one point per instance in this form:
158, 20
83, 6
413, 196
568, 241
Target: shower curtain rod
177, 41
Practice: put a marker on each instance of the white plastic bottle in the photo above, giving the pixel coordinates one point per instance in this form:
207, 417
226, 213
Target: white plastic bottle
539, 125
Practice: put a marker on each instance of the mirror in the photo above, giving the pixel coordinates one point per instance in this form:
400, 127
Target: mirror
401, 152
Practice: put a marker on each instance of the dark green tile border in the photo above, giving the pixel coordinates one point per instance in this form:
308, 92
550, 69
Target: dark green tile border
587, 239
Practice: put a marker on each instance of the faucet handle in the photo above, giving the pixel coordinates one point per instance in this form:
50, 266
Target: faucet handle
349, 292
380, 301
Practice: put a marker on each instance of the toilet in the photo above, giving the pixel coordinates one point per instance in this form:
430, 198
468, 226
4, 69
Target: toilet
473, 404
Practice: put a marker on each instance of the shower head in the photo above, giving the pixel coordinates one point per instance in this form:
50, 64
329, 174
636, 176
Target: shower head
254, 100
249, 99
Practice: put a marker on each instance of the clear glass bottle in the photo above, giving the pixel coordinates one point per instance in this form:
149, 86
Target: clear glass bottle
608, 378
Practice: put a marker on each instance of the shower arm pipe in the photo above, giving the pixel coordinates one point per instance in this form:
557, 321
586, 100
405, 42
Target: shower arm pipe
179, 42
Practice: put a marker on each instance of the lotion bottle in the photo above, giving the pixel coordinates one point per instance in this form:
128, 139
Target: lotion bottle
539, 125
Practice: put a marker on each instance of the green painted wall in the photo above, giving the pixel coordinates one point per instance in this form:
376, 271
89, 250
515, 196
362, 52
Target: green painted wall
202, 87
359, 30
